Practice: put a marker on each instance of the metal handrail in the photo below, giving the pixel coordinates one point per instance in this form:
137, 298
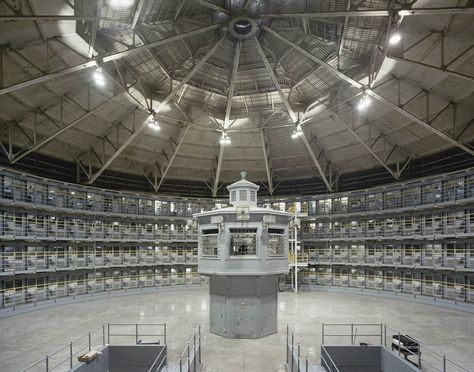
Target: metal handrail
156, 360
383, 341
444, 359
302, 357
186, 355
101, 339
330, 359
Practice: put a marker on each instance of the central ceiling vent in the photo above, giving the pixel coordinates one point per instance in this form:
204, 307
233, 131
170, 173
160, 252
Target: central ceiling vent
242, 28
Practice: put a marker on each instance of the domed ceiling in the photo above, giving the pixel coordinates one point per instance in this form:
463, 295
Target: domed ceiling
198, 90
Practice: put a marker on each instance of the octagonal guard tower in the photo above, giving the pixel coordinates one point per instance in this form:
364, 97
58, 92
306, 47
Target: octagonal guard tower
243, 249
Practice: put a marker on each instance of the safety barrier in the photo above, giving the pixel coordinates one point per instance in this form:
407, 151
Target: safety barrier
63, 358
382, 334
190, 359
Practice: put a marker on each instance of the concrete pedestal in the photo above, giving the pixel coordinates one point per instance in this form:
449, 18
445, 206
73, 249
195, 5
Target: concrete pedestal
243, 306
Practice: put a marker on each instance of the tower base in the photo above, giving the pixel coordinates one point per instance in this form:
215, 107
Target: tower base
243, 306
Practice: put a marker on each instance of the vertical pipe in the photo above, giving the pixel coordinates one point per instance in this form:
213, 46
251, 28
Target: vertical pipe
136, 333
323, 332
381, 334
352, 333
385, 334
292, 350
199, 330
103, 334
108, 333
70, 355
194, 350
299, 350
399, 344
47, 363
419, 355
189, 364
90, 348
287, 341
444, 363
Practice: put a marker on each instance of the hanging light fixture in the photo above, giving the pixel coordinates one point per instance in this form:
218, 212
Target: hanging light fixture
99, 78
395, 38
297, 132
364, 103
121, 3
152, 123
225, 139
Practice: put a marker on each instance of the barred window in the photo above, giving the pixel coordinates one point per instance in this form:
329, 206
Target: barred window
209, 242
276, 242
243, 242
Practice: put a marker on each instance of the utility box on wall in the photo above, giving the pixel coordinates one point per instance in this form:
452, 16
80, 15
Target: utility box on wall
243, 249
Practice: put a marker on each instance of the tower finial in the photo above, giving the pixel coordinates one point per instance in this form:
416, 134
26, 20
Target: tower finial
243, 174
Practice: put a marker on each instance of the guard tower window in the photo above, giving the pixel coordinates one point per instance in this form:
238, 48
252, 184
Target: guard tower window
276, 242
233, 196
242, 195
209, 242
252, 195
243, 242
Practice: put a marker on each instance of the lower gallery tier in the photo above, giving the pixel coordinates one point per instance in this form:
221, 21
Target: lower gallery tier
33, 289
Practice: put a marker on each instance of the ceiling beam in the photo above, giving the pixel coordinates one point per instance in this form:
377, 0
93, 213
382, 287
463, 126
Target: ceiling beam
215, 185
9, 18
292, 114
168, 98
62, 130
441, 69
104, 58
230, 96
370, 92
375, 13
315, 160
266, 157
173, 156
366, 146
212, 6
136, 15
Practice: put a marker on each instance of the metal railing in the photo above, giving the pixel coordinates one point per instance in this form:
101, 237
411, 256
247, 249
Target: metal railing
190, 359
156, 367
455, 292
63, 358
296, 359
382, 334
11, 298
327, 362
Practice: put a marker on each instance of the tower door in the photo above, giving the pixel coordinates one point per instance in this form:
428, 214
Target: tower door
244, 317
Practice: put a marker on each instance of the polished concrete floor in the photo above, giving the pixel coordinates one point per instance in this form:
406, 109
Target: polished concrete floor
26, 338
